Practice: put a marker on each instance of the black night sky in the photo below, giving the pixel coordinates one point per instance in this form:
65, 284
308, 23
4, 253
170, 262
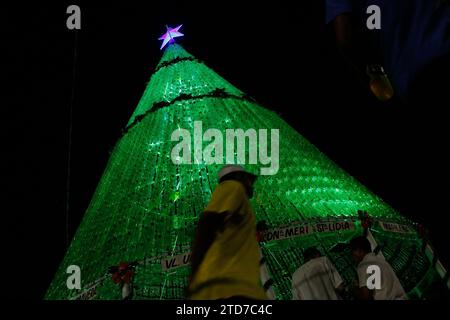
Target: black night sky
282, 55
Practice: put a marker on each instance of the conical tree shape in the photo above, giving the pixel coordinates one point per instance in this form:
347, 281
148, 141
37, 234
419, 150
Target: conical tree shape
146, 207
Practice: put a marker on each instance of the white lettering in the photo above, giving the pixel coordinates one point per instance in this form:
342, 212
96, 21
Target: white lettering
74, 280
374, 280
213, 152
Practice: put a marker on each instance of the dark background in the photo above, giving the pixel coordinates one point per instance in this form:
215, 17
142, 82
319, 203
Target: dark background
280, 54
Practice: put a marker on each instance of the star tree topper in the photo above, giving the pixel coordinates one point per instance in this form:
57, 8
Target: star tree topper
169, 35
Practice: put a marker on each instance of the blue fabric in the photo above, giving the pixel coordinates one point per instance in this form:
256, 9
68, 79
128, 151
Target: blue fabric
413, 33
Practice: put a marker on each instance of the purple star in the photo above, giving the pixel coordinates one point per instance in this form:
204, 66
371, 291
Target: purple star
169, 35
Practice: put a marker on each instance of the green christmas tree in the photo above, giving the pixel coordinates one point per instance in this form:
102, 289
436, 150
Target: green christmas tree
146, 207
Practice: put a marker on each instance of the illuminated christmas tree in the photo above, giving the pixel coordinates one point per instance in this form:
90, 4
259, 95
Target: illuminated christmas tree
146, 207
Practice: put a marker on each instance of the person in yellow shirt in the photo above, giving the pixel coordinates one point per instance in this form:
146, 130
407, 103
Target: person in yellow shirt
225, 255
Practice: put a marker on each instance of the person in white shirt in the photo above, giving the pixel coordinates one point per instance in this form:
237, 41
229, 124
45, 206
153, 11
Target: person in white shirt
317, 279
389, 287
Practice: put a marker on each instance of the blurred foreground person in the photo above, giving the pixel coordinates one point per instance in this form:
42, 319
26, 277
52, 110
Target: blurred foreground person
409, 45
225, 254
316, 279
389, 286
